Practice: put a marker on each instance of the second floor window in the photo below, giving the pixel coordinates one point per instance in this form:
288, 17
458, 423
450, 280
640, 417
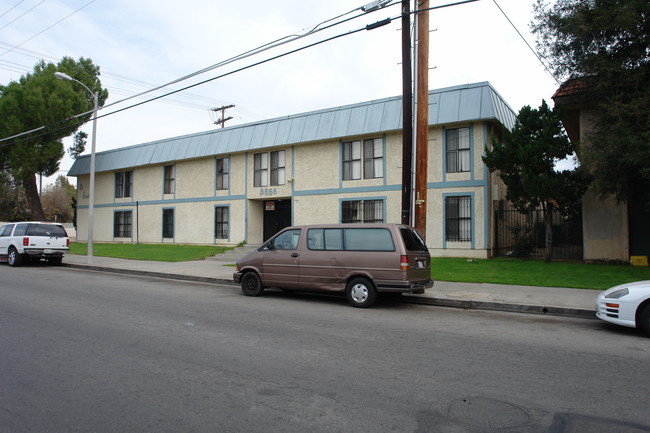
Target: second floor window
261, 169
223, 171
277, 168
363, 159
458, 150
124, 184
169, 179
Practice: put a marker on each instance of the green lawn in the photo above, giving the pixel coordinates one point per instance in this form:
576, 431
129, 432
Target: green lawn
498, 271
536, 273
155, 252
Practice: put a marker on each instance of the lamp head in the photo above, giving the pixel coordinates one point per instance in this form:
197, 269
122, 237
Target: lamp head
62, 76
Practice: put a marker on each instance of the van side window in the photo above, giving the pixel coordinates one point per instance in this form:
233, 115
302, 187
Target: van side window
368, 240
412, 240
21, 229
6, 230
287, 240
325, 239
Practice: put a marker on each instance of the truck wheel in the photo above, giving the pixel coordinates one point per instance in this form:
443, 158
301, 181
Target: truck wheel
360, 292
251, 285
14, 259
643, 320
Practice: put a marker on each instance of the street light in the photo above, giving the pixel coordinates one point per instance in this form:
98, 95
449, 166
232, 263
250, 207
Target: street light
91, 198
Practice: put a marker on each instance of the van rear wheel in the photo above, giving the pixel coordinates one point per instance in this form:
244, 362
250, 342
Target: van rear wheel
361, 292
251, 284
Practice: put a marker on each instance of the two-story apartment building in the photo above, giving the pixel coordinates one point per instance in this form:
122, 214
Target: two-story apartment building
342, 164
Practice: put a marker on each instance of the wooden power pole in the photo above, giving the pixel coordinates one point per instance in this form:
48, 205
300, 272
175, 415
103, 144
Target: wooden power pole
422, 117
407, 114
223, 119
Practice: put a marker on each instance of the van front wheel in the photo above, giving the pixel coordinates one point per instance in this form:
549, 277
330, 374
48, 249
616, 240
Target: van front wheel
361, 292
251, 285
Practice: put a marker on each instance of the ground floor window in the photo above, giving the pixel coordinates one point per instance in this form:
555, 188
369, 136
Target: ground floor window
458, 219
362, 211
168, 223
122, 224
221, 220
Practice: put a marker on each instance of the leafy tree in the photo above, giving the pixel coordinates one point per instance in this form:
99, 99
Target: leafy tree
525, 160
39, 99
57, 200
606, 45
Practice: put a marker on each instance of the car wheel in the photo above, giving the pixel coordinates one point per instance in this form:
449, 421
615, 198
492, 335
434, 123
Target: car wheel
643, 319
361, 292
251, 285
14, 259
56, 261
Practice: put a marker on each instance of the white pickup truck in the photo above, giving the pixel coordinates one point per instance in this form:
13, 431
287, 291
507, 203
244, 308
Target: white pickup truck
33, 241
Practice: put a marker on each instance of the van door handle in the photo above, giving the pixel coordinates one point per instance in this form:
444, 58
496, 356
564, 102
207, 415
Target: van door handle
294, 255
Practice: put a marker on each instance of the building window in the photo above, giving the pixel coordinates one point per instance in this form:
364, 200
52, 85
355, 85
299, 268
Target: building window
277, 168
122, 224
169, 179
458, 150
168, 223
124, 184
362, 211
261, 169
458, 219
223, 170
372, 155
221, 222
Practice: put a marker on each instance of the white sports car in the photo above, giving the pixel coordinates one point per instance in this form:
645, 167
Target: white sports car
626, 305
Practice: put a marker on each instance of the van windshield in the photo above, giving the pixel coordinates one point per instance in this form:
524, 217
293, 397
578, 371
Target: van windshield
412, 240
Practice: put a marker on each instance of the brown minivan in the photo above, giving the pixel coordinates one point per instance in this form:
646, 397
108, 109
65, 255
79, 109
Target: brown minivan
358, 259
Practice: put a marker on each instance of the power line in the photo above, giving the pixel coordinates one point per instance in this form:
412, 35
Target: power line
47, 28
527, 44
49, 130
12, 8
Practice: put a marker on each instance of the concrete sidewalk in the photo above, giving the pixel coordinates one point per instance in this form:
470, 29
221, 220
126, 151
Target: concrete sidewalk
522, 299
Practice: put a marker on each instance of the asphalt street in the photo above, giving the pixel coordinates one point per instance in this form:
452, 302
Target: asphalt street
86, 351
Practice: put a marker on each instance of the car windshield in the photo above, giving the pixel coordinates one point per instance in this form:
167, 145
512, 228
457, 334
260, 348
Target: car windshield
51, 230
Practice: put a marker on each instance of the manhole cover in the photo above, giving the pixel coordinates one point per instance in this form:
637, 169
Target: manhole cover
488, 413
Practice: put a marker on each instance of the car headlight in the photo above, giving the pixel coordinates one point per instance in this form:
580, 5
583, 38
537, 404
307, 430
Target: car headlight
618, 294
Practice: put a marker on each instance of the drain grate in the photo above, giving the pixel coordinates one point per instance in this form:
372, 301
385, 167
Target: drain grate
488, 413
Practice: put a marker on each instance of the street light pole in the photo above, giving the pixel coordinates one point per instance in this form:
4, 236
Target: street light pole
91, 197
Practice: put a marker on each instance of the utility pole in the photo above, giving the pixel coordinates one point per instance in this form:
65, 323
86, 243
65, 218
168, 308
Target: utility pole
407, 114
422, 116
223, 119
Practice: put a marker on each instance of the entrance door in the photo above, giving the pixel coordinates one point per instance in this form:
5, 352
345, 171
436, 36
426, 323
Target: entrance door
277, 215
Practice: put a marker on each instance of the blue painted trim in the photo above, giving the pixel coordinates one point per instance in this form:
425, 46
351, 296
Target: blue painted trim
472, 216
487, 217
382, 198
383, 139
169, 202
471, 151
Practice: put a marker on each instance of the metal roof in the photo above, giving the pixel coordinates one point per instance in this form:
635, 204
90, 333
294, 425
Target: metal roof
470, 102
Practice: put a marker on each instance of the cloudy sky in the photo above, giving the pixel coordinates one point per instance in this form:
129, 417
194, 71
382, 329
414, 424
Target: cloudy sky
142, 44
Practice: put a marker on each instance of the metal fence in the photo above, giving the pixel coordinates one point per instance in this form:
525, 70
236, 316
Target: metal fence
522, 234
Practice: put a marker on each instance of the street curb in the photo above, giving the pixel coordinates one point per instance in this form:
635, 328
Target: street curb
579, 313
408, 299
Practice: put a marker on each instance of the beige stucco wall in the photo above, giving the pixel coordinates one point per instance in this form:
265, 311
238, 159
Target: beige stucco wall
605, 226
313, 184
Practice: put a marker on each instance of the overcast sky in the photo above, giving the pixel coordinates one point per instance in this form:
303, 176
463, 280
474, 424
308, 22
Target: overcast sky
142, 44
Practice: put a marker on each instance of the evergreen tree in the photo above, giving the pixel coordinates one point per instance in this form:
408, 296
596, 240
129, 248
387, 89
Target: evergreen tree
525, 160
39, 99
606, 45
